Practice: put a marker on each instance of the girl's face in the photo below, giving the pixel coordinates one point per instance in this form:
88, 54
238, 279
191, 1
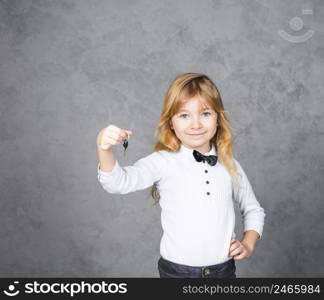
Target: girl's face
195, 126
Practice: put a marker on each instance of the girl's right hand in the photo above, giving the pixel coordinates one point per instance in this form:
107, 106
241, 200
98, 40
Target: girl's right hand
111, 136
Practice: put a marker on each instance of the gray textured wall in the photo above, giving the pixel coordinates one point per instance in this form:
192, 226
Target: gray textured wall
69, 68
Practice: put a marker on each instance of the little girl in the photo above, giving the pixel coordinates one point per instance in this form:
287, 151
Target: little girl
195, 179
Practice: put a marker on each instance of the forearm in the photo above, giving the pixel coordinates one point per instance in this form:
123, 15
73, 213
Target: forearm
106, 157
249, 239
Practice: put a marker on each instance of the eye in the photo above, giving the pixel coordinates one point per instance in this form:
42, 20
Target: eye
206, 112
183, 115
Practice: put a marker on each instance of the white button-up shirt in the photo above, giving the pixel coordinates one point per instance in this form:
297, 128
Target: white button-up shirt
196, 199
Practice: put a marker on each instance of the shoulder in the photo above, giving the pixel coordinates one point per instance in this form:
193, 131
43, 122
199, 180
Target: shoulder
161, 155
242, 174
162, 158
156, 155
237, 164
239, 168
154, 162
156, 158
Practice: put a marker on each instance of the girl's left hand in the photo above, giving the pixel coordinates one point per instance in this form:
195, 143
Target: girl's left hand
239, 250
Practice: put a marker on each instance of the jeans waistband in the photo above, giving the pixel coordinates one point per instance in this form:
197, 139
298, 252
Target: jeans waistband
216, 266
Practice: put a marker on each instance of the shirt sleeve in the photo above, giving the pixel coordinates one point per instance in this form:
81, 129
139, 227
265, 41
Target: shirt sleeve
252, 213
142, 174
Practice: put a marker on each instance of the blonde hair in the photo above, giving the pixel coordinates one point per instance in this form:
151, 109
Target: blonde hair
182, 88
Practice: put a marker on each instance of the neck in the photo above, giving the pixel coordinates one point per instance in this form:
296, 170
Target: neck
198, 149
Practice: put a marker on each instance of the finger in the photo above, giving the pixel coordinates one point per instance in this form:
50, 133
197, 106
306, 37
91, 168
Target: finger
121, 135
233, 241
110, 134
240, 256
105, 146
115, 133
234, 247
120, 139
114, 128
127, 133
231, 247
237, 251
109, 137
117, 137
234, 252
124, 135
108, 141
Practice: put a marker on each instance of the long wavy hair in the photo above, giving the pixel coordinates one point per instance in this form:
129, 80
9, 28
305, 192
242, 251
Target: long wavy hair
182, 88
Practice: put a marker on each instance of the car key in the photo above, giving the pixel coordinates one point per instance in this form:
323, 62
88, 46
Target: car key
125, 145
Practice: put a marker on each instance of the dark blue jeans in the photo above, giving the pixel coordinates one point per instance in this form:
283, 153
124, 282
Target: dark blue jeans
168, 269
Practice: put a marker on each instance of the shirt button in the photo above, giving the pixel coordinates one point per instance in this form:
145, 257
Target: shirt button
206, 171
208, 193
206, 272
207, 182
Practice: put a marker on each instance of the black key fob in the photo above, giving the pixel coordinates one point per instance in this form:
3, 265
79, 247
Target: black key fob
125, 145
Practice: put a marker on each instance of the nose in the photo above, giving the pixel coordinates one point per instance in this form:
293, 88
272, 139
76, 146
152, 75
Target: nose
196, 123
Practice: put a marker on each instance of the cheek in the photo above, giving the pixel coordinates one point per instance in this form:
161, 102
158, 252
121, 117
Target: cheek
212, 128
211, 124
179, 126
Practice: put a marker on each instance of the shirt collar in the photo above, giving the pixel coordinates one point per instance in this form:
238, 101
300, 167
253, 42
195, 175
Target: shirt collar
187, 152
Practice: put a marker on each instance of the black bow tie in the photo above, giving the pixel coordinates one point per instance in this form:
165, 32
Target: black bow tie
211, 159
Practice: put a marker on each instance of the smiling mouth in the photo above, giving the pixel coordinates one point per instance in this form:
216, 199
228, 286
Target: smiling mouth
197, 134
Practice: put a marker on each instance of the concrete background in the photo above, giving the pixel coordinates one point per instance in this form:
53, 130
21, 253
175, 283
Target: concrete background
69, 68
